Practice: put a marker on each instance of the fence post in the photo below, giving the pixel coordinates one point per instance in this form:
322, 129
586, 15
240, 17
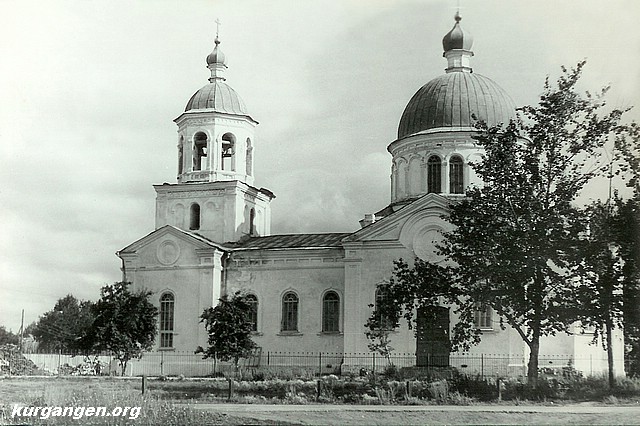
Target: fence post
59, 356
319, 364
268, 357
374, 368
144, 382
482, 366
162, 363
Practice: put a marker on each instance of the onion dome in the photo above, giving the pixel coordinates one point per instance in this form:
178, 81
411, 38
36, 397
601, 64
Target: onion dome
216, 57
458, 99
217, 95
457, 38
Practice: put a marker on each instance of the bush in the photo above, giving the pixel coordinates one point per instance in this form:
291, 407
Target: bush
474, 386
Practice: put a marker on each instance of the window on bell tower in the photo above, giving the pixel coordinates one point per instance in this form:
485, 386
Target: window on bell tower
252, 222
249, 159
194, 222
180, 154
228, 160
199, 151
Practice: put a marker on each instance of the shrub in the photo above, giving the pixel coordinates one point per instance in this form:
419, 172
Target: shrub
474, 386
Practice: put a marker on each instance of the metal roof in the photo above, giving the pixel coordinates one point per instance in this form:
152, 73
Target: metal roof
452, 100
290, 241
217, 96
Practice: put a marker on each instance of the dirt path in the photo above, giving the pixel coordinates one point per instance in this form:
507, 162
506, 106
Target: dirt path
429, 415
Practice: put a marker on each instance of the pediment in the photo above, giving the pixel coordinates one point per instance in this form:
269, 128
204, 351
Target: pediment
162, 233
427, 209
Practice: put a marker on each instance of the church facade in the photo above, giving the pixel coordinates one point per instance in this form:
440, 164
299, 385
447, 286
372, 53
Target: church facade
312, 292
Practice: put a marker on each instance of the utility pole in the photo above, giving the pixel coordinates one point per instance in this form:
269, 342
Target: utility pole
21, 330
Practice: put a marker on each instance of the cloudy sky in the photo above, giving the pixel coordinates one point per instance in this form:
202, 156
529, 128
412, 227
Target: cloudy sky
89, 90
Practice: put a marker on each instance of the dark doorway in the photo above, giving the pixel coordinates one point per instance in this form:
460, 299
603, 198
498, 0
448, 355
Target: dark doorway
432, 337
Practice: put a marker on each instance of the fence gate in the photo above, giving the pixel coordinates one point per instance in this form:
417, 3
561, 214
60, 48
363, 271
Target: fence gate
432, 337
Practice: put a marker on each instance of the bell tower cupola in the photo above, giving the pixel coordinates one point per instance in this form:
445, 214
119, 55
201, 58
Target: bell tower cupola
214, 196
215, 131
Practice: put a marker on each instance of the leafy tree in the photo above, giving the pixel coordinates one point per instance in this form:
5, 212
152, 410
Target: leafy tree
229, 329
601, 273
512, 238
65, 326
125, 322
8, 337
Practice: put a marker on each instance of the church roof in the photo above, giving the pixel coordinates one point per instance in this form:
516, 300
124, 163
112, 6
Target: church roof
457, 99
217, 96
290, 241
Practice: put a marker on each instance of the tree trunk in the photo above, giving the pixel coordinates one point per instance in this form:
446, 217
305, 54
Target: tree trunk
532, 367
123, 364
609, 325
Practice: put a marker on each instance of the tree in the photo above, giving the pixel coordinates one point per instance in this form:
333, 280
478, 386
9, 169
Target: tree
229, 329
65, 326
125, 322
601, 273
512, 239
8, 337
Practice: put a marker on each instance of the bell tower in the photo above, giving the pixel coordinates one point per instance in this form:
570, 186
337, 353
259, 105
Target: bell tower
214, 195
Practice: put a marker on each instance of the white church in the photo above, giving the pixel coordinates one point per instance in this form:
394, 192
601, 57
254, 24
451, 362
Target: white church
311, 292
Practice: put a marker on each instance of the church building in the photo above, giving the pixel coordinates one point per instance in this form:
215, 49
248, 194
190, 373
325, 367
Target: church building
312, 292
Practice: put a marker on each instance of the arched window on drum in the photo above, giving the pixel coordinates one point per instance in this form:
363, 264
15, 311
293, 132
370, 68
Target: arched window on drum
434, 174
456, 175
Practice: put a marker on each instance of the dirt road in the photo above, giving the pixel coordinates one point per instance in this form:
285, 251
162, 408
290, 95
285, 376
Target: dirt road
429, 415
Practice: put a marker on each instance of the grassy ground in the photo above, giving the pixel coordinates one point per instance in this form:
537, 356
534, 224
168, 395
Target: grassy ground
99, 392
164, 403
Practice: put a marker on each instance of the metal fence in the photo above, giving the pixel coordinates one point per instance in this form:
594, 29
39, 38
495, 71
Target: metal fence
305, 364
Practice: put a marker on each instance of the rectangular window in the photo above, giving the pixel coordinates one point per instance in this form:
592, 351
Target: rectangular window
484, 317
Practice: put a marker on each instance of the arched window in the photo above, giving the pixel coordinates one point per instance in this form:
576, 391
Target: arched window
252, 221
180, 154
331, 312
194, 222
290, 312
199, 151
252, 318
483, 317
166, 320
456, 175
434, 174
249, 159
227, 161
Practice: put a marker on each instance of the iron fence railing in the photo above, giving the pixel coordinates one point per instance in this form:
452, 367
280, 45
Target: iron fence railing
304, 364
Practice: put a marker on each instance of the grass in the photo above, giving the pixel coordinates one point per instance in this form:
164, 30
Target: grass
107, 393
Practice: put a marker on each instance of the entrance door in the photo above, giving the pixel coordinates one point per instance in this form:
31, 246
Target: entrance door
432, 337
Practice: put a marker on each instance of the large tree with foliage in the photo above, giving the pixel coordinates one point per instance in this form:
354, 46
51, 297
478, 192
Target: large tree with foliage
229, 329
513, 238
125, 322
602, 269
66, 326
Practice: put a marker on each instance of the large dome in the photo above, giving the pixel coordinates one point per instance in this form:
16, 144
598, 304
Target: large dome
217, 96
453, 100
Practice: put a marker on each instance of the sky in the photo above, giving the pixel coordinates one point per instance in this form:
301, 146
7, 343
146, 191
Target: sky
89, 91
